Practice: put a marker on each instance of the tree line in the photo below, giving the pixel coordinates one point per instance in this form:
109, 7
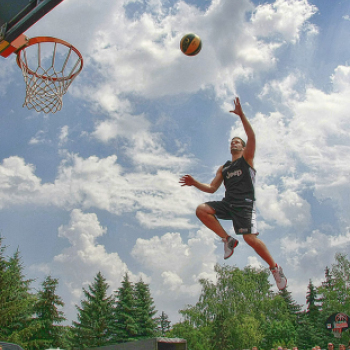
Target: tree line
34, 320
238, 311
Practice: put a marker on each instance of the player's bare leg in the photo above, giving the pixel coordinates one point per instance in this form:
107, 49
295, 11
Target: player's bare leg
261, 249
259, 246
206, 214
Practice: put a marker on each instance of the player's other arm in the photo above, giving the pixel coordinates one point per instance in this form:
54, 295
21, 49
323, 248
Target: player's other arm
188, 180
249, 150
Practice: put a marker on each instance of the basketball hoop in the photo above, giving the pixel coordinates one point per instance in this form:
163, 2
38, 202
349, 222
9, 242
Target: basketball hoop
49, 66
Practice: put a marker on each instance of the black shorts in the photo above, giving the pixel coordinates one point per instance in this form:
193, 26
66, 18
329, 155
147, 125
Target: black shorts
242, 215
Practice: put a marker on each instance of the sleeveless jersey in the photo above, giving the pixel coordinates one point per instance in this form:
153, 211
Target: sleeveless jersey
239, 179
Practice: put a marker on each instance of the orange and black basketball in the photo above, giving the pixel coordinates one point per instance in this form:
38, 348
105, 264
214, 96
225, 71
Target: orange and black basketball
191, 44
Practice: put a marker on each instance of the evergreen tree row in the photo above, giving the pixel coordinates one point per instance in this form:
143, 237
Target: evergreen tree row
33, 320
126, 315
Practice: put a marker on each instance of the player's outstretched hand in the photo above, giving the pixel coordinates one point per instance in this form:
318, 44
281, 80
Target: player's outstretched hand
187, 180
238, 108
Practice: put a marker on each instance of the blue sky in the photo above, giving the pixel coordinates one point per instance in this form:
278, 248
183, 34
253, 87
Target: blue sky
94, 187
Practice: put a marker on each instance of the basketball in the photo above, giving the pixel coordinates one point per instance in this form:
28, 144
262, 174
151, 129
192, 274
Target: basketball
191, 44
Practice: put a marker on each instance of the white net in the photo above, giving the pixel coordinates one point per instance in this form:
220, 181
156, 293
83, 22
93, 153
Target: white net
48, 66
337, 332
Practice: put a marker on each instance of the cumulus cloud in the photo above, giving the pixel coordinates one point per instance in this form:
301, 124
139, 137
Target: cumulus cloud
78, 264
284, 18
177, 265
156, 197
85, 254
309, 256
142, 56
18, 182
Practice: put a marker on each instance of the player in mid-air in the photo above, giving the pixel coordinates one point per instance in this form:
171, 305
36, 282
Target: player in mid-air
238, 204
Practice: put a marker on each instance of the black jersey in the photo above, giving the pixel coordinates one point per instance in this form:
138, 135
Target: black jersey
239, 179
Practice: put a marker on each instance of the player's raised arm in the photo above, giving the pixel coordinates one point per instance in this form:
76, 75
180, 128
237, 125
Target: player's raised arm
249, 150
188, 180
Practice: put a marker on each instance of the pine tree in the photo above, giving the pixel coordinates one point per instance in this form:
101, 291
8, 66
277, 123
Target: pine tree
95, 316
292, 306
16, 302
329, 294
4, 309
48, 316
313, 309
125, 328
164, 324
144, 311
310, 325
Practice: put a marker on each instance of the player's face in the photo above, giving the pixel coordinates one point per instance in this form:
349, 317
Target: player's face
236, 144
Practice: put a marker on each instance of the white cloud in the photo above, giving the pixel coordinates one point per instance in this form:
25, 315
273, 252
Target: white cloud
171, 280
254, 262
39, 138
78, 264
17, 181
63, 136
312, 254
340, 79
176, 265
143, 56
85, 253
156, 198
283, 17
285, 89
283, 208
169, 253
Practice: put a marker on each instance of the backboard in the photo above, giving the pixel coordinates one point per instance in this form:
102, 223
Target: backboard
337, 323
16, 16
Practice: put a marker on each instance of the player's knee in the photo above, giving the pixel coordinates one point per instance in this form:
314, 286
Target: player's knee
204, 211
200, 210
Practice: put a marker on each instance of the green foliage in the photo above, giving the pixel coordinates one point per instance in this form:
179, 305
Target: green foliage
16, 301
163, 324
125, 316
95, 316
335, 294
237, 311
240, 311
197, 338
310, 324
292, 307
49, 333
144, 311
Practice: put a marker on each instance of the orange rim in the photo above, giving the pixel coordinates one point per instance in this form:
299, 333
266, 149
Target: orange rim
47, 39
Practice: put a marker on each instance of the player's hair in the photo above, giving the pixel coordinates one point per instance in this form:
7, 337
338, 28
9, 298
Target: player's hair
237, 137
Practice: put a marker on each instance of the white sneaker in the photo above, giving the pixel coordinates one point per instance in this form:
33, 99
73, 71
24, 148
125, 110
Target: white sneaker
230, 244
279, 276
